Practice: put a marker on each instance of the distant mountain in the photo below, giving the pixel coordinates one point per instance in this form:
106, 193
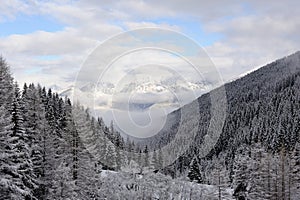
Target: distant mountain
143, 95
55, 87
138, 87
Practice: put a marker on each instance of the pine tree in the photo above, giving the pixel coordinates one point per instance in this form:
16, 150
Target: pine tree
140, 161
283, 173
7, 172
119, 159
119, 147
34, 121
160, 159
57, 163
275, 177
129, 151
218, 174
24, 161
195, 171
6, 85
155, 164
110, 156
146, 162
258, 176
295, 172
7, 184
17, 176
98, 144
242, 172
86, 172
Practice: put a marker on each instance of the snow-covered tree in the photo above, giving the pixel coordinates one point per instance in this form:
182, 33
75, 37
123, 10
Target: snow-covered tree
195, 173
17, 178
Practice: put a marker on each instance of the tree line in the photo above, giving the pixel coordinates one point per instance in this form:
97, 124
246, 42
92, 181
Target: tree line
51, 149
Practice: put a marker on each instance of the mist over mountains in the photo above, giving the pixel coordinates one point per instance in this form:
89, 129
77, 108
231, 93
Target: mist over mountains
148, 101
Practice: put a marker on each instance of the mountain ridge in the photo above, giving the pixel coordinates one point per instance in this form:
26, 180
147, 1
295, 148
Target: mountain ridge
252, 92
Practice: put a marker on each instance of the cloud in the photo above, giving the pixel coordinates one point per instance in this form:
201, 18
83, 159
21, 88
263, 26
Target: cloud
147, 10
136, 25
252, 33
44, 43
253, 40
9, 9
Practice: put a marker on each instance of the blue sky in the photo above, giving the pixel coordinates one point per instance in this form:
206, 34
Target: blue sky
26, 24
193, 29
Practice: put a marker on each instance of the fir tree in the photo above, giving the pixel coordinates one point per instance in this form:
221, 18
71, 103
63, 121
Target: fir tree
195, 172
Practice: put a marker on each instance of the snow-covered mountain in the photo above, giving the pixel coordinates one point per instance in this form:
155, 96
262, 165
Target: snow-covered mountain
55, 88
261, 130
136, 96
163, 86
145, 87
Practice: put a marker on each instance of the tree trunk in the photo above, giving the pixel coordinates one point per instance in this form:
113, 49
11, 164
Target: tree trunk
219, 184
283, 174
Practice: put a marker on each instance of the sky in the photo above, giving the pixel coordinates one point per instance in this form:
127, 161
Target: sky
48, 41
53, 42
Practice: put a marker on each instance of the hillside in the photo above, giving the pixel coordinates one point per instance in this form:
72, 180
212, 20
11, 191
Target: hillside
262, 121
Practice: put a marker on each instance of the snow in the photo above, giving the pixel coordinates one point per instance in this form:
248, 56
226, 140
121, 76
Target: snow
156, 186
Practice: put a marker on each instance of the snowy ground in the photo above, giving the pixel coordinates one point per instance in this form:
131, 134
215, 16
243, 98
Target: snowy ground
155, 186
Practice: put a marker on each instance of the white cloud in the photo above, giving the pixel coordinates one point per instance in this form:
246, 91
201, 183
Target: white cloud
9, 9
136, 25
252, 33
252, 41
44, 43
